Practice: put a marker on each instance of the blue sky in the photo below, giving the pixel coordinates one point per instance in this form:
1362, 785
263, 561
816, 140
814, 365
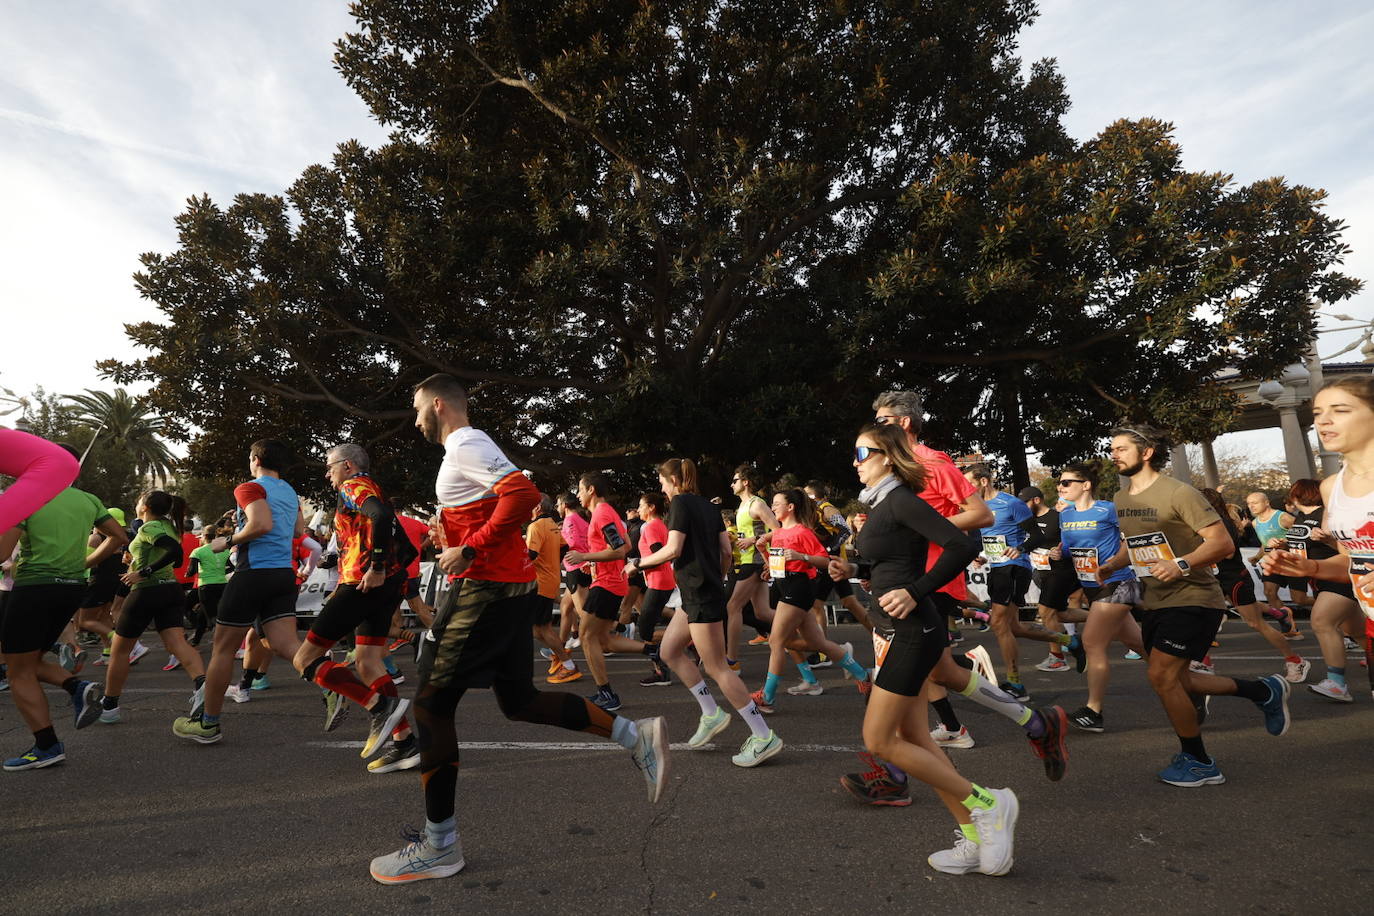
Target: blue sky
112, 114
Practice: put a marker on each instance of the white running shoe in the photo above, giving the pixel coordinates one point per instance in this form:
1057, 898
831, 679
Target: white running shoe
138, 651
238, 694
1296, 672
960, 860
1132, 655
1052, 662
1332, 691
1350, 644
1201, 668
111, 716
946, 738
982, 663
996, 827
813, 689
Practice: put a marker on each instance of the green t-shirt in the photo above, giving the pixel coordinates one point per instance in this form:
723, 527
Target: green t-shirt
143, 548
52, 545
210, 570
1162, 523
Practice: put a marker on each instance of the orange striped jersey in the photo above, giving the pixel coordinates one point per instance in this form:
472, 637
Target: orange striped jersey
354, 530
484, 503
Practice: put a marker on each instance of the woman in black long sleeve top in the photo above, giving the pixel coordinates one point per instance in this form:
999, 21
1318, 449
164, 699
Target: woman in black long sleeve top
892, 545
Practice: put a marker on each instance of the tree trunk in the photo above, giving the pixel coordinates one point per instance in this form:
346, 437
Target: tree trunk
1013, 435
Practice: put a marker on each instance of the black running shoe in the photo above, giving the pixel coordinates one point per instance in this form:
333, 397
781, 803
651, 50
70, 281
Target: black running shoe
1087, 719
659, 678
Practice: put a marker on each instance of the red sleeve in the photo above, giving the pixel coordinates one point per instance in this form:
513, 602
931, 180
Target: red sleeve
251, 492
516, 498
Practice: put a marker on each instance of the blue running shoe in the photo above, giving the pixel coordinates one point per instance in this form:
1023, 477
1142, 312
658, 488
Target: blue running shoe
36, 759
86, 703
261, 683
1187, 771
1275, 709
390, 666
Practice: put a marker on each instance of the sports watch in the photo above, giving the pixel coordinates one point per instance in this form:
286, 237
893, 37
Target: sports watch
1183, 565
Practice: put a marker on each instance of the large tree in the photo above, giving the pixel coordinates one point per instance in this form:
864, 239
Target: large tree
605, 218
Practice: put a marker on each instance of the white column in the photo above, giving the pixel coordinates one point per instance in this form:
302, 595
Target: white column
1295, 453
1178, 461
1329, 461
1210, 475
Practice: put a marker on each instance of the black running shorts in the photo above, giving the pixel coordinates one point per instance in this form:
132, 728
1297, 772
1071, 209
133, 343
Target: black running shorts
918, 641
481, 634
163, 606
1185, 632
1238, 587
209, 596
1056, 586
1007, 584
573, 579
826, 586
36, 614
1344, 589
543, 610
602, 604
349, 609
258, 596
795, 588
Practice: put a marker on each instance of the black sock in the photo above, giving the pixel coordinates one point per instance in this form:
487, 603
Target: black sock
650, 649
945, 710
259, 675
247, 680
45, 738
110, 702
1258, 691
1194, 747
200, 682
604, 688
70, 685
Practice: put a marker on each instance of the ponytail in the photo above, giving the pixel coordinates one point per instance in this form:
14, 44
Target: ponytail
165, 505
801, 505
682, 472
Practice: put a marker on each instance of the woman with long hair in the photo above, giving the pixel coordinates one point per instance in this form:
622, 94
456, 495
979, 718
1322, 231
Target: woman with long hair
1334, 608
576, 578
753, 519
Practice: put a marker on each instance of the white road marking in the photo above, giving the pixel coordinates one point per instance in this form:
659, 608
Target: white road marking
588, 746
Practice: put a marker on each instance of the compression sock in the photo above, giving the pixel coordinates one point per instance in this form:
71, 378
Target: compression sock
1193, 747
336, 677
770, 687
625, 733
990, 696
945, 710
856, 670
970, 832
806, 673
702, 694
979, 798
1254, 691
246, 682
1336, 674
754, 719
45, 738
443, 834
110, 702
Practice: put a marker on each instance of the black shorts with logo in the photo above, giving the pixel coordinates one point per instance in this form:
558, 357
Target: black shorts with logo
258, 596
574, 579
602, 604
35, 615
795, 588
1184, 632
1056, 585
1007, 584
1238, 587
162, 605
369, 612
918, 641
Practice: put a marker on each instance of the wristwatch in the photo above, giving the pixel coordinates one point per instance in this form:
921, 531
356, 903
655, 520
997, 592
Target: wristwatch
1183, 565
469, 552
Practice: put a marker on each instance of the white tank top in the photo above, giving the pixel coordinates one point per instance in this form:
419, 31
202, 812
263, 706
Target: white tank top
1350, 519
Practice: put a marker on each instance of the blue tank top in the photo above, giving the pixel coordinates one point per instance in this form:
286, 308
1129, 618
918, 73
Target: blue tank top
273, 549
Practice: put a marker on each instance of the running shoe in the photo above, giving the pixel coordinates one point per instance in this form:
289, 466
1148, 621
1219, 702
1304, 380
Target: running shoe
1332, 691
173, 663
955, 637
708, 727
1296, 672
417, 861
408, 638
335, 710
572, 643
759, 641
1350, 644
755, 750
196, 730
650, 754
36, 759
996, 827
865, 687
946, 738
960, 860
1014, 690
1202, 667
875, 786
1187, 771
86, 704
564, 676
385, 715
403, 756
197, 704
1080, 655
659, 678
554, 663
111, 716
138, 651
1050, 747
261, 683
1088, 719
4, 684
1052, 662
66, 657
806, 689
982, 663
103, 660
607, 699
237, 693
1132, 655
1293, 635
732, 662
764, 706
1275, 709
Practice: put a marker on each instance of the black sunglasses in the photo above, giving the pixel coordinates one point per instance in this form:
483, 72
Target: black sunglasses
862, 453
1065, 481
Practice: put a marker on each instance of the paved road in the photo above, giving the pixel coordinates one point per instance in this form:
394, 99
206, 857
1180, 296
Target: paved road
281, 818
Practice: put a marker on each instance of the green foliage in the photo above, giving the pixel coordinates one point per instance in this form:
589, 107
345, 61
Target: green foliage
127, 423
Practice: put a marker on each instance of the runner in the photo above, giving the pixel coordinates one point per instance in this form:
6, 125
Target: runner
374, 552
794, 556
1271, 530
892, 547
1053, 574
749, 601
49, 582
1173, 536
698, 548
1343, 414
545, 546
835, 535
634, 595
1090, 535
418, 534
660, 584
211, 572
261, 595
481, 635
94, 614
577, 579
42, 470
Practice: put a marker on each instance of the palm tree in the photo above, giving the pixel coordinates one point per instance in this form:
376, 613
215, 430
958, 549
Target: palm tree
127, 421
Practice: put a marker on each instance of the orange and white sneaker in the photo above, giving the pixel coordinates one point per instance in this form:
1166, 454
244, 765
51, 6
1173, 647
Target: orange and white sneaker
564, 675
759, 641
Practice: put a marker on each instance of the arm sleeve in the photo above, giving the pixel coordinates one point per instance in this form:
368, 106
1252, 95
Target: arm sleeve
383, 517
516, 498
43, 470
173, 555
917, 515
313, 550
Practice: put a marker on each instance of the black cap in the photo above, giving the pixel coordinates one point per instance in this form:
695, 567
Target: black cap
1029, 493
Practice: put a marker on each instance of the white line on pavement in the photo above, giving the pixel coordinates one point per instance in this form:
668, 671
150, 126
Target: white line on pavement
587, 746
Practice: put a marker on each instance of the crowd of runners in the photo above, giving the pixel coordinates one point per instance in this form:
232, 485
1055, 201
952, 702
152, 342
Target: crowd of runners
683, 580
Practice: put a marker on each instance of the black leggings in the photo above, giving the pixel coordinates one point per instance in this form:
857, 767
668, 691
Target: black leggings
437, 733
655, 600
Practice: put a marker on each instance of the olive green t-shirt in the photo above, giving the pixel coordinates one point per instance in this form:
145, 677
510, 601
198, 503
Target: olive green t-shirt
1162, 522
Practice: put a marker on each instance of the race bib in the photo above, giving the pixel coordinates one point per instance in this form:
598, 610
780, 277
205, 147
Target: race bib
777, 564
1085, 564
995, 546
1297, 539
1362, 564
1040, 559
881, 644
1148, 549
